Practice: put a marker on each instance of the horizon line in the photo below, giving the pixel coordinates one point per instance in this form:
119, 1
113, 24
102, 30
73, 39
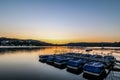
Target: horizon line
64, 43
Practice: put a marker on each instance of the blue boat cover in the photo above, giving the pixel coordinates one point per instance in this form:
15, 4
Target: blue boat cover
61, 59
86, 55
95, 67
109, 58
76, 63
44, 56
96, 56
50, 58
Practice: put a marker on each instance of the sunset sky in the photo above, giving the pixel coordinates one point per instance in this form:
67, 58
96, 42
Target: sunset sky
61, 21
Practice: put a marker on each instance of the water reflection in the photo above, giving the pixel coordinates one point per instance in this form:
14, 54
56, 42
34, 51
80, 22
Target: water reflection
23, 64
90, 77
74, 72
7, 50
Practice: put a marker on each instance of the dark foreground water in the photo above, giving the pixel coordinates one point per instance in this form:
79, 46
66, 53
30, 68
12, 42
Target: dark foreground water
23, 64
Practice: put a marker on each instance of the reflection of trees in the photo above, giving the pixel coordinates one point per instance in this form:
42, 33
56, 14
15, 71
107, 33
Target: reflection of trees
7, 50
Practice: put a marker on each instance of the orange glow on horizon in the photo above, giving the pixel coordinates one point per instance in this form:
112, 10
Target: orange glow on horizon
64, 40
78, 40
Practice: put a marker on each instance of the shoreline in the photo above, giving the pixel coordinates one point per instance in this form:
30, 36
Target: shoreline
20, 46
118, 48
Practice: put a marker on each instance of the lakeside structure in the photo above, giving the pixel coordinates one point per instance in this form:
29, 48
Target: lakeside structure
94, 65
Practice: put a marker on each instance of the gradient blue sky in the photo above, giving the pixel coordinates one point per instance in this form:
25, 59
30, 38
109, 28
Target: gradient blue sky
61, 21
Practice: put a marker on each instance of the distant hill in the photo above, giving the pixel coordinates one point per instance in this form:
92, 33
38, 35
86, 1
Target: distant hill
99, 44
29, 42
20, 42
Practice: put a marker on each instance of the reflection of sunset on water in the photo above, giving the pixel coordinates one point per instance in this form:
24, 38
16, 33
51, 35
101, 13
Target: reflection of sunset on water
65, 49
26, 62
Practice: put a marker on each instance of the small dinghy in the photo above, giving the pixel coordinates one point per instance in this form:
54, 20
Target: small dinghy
76, 64
94, 68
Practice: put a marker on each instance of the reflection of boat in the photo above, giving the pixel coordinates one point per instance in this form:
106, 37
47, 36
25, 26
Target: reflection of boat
94, 68
91, 77
76, 64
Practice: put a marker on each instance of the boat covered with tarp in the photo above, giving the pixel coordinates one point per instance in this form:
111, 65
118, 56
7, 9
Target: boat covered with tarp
50, 59
61, 60
43, 58
94, 68
109, 60
76, 64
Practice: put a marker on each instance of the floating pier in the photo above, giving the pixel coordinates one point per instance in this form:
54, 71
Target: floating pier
77, 61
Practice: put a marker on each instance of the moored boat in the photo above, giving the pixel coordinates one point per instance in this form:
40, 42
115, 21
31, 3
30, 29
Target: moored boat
75, 64
50, 59
96, 56
109, 61
61, 61
86, 55
94, 68
43, 58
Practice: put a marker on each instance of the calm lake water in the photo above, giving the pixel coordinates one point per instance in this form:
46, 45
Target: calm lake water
23, 64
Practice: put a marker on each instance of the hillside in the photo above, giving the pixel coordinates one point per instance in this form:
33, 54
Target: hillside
29, 42
99, 44
20, 42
